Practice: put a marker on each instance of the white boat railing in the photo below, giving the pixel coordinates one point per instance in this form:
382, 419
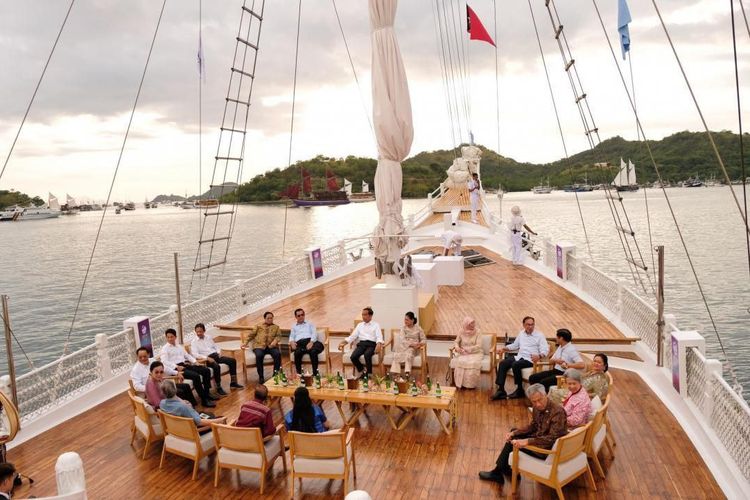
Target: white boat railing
720, 408
63, 379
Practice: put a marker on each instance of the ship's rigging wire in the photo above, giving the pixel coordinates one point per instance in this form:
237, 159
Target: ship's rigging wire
497, 77
700, 114
6, 323
559, 125
114, 177
200, 146
739, 119
36, 89
591, 132
444, 74
354, 71
737, 386
291, 120
744, 16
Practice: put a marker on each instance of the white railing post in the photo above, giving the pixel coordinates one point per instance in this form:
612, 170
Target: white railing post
712, 369
105, 365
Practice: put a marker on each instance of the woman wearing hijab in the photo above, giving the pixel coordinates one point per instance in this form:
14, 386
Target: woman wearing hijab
467, 355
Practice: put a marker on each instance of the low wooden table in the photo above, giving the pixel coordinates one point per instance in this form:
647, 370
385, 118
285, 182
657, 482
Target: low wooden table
233, 349
409, 405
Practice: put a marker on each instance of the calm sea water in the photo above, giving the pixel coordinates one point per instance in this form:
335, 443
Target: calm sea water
44, 261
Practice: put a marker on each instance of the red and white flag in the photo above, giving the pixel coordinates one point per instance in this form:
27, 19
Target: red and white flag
475, 27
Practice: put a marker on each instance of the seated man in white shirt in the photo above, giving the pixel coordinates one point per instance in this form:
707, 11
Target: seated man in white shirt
531, 346
566, 356
140, 371
176, 359
303, 340
370, 341
204, 347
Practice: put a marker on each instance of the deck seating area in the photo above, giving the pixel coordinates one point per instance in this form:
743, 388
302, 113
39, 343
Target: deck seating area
498, 296
654, 457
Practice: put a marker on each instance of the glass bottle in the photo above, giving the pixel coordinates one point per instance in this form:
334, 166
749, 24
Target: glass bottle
387, 382
429, 384
414, 390
340, 381
438, 391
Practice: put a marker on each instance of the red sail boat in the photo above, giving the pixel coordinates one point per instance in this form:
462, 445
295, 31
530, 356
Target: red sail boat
331, 196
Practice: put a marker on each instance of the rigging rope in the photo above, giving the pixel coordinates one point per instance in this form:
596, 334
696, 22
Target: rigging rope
6, 322
700, 114
354, 71
36, 89
114, 177
739, 119
294, 98
451, 69
744, 16
443, 72
559, 125
737, 386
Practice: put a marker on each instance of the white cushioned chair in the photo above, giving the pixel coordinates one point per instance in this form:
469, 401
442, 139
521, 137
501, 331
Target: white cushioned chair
565, 462
324, 358
250, 361
182, 438
377, 359
418, 363
145, 422
597, 435
326, 455
244, 448
489, 341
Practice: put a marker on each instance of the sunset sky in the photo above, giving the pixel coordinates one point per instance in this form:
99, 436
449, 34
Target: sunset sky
72, 137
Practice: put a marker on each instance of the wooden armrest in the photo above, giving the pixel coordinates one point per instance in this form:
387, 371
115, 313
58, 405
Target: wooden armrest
205, 427
201, 362
537, 449
349, 435
341, 346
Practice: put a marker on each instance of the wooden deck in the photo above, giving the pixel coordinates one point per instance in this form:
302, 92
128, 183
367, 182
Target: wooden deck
498, 296
464, 216
653, 457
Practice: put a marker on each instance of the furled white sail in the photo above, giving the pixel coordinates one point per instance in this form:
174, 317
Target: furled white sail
391, 109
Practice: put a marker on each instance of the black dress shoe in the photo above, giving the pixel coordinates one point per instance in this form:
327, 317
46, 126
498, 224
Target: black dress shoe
499, 395
491, 475
235, 385
220, 391
517, 395
209, 404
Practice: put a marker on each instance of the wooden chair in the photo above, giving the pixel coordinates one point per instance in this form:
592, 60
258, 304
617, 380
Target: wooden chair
145, 422
181, 438
324, 357
489, 343
610, 435
419, 362
597, 436
250, 361
244, 448
377, 359
327, 455
540, 365
138, 393
565, 462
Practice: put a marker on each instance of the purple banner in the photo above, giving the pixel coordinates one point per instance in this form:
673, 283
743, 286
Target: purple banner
144, 336
316, 257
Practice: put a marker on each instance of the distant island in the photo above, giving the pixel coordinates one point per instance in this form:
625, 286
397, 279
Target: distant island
679, 156
10, 197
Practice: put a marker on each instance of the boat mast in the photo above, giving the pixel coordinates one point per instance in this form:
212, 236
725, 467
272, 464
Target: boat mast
179, 299
9, 349
660, 308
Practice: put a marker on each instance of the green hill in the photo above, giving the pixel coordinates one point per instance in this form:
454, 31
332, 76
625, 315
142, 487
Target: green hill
679, 156
9, 198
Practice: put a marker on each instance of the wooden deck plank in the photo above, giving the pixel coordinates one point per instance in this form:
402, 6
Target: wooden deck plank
464, 216
498, 296
654, 458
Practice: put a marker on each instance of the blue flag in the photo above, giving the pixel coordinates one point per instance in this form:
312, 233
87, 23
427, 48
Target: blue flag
623, 19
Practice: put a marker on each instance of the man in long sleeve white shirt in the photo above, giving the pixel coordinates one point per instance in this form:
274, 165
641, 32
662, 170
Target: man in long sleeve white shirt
370, 341
303, 339
140, 371
204, 347
531, 346
176, 359
473, 187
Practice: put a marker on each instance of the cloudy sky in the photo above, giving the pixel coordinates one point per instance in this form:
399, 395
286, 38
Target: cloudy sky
72, 138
